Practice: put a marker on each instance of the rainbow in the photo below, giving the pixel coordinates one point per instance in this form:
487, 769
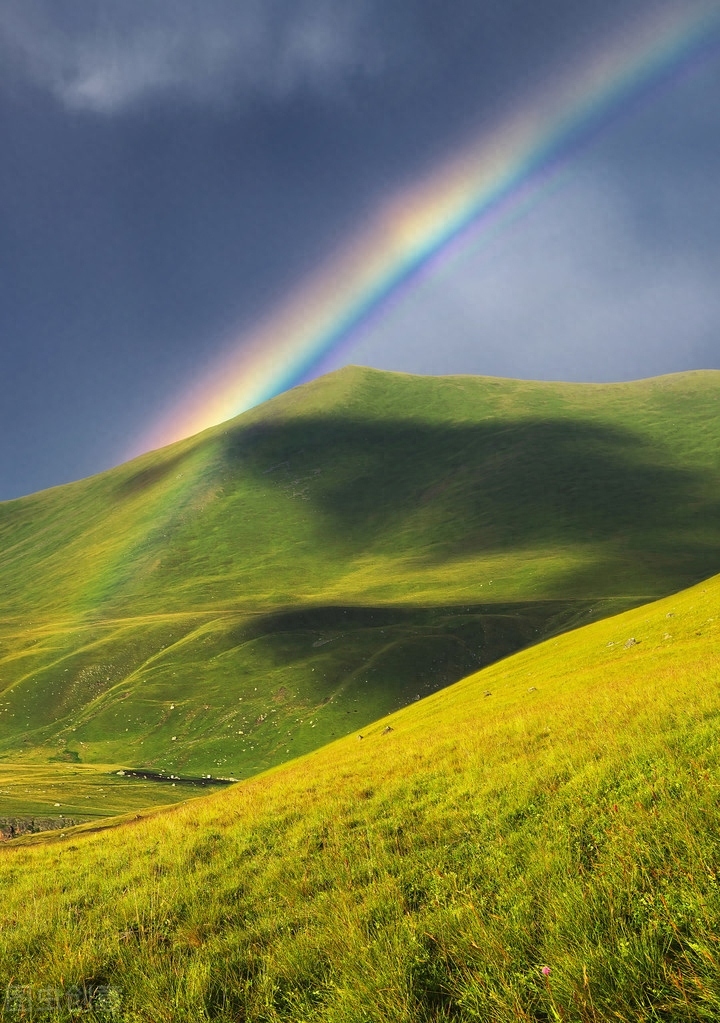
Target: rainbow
411, 230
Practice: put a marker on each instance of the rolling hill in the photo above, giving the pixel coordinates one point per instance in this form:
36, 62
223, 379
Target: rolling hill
242, 597
539, 841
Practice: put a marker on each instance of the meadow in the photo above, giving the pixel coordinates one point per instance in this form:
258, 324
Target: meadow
557, 811
240, 598
41, 796
457, 640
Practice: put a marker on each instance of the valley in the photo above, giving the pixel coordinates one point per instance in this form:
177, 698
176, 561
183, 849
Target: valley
394, 699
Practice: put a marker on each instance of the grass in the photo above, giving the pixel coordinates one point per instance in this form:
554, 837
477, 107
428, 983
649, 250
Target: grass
231, 694
259, 599
238, 599
368, 488
54, 795
559, 809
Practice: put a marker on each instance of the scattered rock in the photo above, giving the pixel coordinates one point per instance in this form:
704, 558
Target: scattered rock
532, 689
631, 642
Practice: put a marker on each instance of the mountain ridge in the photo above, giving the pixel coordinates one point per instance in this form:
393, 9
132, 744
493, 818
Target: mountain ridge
424, 522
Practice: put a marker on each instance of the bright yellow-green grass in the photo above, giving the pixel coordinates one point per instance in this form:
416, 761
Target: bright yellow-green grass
559, 810
240, 598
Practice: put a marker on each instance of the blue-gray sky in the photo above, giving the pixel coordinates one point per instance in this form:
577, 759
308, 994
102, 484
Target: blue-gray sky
170, 168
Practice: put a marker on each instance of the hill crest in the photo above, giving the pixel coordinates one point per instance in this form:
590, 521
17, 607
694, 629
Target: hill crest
347, 544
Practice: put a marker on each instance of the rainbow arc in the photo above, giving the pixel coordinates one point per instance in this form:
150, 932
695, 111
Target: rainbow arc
412, 231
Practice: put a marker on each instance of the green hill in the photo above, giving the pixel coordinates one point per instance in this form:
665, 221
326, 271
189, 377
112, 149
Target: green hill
242, 597
558, 810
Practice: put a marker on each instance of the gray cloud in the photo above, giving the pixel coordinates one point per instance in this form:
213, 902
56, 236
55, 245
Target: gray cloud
573, 291
116, 55
107, 56
171, 169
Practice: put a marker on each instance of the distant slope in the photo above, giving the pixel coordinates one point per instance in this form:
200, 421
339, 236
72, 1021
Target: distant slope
370, 486
159, 614
560, 809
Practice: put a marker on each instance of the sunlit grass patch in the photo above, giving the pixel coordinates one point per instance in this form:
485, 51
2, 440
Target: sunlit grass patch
569, 820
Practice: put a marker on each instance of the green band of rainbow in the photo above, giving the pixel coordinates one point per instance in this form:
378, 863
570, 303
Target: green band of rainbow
416, 226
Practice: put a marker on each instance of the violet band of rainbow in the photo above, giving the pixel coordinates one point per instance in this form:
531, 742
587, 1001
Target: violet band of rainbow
416, 228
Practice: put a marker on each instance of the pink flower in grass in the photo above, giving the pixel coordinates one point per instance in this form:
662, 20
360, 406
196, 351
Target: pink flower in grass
545, 971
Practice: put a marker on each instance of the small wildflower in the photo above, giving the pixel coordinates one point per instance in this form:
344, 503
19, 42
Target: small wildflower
545, 971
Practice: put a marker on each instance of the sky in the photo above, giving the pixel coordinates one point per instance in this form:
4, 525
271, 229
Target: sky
172, 170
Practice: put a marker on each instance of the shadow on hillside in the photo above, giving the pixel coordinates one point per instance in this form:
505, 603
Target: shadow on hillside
501, 627
494, 486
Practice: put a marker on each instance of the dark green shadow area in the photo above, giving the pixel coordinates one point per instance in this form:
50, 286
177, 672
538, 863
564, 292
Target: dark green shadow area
227, 603
450, 491
620, 487
238, 694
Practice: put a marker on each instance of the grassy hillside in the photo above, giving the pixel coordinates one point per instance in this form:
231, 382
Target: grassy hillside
242, 597
559, 810
366, 487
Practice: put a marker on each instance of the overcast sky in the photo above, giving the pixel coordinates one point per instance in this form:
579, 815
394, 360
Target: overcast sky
170, 169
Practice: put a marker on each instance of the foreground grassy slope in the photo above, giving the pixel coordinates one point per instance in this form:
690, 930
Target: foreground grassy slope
560, 808
248, 594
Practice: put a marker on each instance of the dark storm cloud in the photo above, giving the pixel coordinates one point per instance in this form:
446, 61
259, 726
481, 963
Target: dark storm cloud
665, 159
571, 292
613, 276
107, 56
170, 168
